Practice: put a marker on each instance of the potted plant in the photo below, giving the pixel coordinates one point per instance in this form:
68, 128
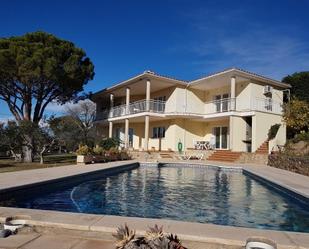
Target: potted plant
84, 155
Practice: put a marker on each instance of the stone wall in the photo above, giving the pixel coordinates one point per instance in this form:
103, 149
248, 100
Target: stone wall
253, 158
297, 164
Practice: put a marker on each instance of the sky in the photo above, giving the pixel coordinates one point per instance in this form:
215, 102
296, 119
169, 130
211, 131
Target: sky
185, 39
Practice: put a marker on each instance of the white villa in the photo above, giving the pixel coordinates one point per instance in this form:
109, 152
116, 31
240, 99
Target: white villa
230, 110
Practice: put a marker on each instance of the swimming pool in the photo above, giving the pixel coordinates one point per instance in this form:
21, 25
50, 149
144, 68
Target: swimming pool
196, 194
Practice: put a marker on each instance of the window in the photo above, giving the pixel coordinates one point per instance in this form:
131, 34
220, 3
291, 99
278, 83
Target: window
158, 132
268, 104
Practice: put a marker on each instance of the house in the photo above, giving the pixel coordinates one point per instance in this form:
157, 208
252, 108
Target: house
230, 110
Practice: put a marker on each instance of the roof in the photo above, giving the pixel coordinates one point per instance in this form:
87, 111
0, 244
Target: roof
245, 73
236, 71
144, 75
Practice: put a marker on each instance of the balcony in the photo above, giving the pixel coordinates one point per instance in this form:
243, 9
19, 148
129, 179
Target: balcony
221, 105
212, 107
155, 106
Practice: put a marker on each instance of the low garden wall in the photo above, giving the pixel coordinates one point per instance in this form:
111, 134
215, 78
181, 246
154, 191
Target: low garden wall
297, 164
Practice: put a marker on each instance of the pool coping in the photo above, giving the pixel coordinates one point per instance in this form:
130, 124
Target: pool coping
185, 230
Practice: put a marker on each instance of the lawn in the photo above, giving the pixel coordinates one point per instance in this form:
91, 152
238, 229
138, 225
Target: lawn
9, 165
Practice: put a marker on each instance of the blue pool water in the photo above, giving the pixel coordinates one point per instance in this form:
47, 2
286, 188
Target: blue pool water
204, 195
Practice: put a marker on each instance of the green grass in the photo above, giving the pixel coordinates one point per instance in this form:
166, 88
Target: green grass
9, 165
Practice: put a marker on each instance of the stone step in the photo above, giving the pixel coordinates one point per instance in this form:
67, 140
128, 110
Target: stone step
224, 155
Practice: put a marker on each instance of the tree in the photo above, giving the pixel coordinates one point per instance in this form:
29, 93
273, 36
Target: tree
37, 69
296, 115
300, 85
11, 139
83, 113
66, 131
43, 142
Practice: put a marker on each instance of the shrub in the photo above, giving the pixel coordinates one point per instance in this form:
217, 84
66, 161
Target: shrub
303, 136
84, 150
109, 143
99, 151
124, 155
297, 164
113, 154
273, 130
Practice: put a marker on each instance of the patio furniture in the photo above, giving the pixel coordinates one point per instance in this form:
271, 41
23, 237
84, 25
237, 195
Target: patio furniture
202, 145
197, 156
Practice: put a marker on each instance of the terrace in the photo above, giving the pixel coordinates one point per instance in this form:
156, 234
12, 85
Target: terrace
210, 107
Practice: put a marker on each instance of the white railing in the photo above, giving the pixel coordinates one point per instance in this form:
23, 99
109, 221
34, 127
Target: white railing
156, 106
266, 105
216, 106
221, 105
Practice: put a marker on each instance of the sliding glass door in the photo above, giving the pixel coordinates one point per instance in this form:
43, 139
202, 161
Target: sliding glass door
221, 137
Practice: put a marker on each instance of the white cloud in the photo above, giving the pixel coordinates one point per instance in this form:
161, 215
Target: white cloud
55, 108
229, 40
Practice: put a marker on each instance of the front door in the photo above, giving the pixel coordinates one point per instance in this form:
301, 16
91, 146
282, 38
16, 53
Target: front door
221, 137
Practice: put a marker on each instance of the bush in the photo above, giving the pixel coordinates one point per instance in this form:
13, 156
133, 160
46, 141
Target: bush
109, 143
84, 150
124, 155
273, 130
297, 164
99, 151
303, 136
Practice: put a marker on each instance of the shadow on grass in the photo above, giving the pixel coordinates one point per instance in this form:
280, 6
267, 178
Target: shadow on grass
9, 165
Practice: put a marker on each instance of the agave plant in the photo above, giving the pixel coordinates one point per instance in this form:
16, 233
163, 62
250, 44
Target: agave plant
153, 239
125, 238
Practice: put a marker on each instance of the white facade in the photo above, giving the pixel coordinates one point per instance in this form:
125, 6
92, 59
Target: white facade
233, 109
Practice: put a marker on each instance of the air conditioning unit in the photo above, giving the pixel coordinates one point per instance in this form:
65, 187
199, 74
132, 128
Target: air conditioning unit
267, 89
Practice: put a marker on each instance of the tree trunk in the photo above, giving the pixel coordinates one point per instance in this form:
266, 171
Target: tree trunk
27, 150
27, 154
41, 158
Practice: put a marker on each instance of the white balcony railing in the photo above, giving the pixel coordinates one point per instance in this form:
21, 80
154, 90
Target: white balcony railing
266, 105
156, 106
221, 105
212, 107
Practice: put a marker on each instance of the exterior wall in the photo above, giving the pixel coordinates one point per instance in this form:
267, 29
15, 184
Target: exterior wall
209, 94
166, 143
261, 122
187, 132
257, 92
237, 133
180, 99
243, 95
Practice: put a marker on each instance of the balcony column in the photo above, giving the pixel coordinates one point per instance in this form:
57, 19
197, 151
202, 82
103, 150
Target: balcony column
146, 133
127, 100
147, 116
111, 100
147, 95
111, 103
126, 133
110, 129
233, 93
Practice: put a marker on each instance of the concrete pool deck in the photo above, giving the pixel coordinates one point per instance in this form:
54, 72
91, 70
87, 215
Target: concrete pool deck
191, 232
